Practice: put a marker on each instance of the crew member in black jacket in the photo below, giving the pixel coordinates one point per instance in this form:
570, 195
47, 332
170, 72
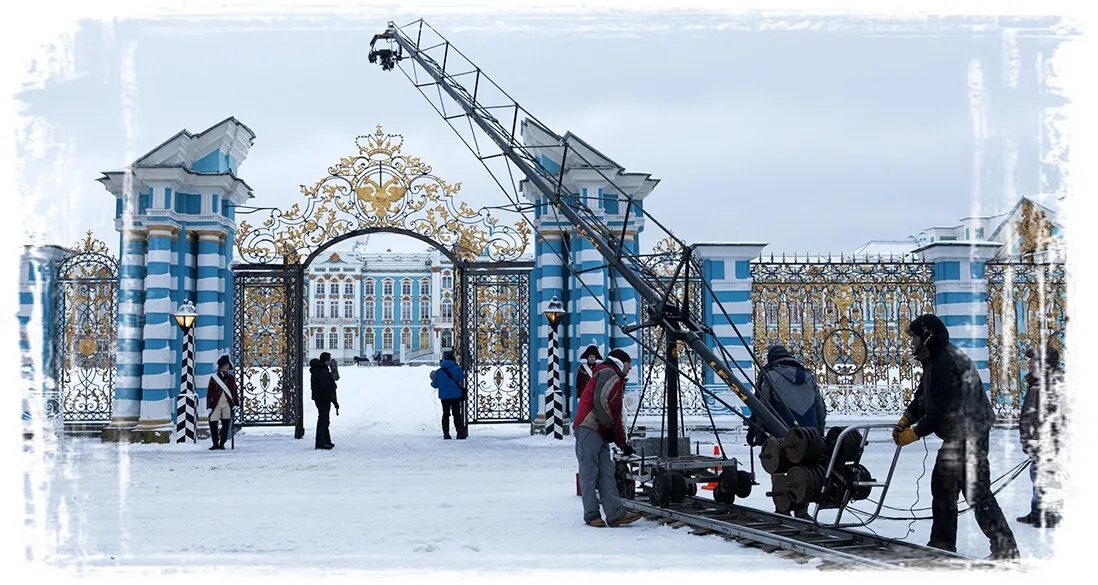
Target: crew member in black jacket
950, 403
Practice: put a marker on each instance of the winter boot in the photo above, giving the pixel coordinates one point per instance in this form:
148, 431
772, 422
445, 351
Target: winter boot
1028, 518
1046, 520
463, 431
626, 518
446, 429
224, 434
213, 435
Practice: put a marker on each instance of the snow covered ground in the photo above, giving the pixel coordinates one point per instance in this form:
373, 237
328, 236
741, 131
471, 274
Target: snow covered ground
394, 497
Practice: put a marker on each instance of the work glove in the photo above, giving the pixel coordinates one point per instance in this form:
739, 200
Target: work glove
905, 437
628, 451
900, 425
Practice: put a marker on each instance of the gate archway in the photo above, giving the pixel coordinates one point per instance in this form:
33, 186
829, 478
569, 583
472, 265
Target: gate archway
380, 189
84, 354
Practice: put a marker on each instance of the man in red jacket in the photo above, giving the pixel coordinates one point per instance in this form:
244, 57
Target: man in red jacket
221, 398
598, 423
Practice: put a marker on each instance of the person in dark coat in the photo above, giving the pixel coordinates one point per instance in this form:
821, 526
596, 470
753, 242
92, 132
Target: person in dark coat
598, 423
791, 391
589, 359
1039, 431
221, 399
324, 396
950, 402
449, 378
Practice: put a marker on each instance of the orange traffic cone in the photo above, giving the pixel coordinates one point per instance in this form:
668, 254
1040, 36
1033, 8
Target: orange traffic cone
713, 485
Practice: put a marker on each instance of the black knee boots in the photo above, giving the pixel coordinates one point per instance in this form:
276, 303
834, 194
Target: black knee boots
214, 436
224, 434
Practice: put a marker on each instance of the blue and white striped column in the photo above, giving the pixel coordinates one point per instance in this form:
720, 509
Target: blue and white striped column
626, 309
587, 319
960, 295
549, 283
157, 379
727, 269
209, 326
126, 407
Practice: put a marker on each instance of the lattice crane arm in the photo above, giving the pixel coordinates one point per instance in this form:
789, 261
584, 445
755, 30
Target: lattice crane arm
661, 311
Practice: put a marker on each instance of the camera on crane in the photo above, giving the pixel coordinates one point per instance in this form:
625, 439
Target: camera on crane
388, 57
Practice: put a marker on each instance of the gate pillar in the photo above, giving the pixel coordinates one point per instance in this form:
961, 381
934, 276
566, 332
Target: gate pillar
960, 295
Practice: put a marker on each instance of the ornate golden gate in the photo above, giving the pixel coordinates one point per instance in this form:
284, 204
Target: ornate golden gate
847, 321
1027, 307
377, 189
84, 355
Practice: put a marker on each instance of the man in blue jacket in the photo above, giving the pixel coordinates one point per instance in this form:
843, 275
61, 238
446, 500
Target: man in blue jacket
449, 378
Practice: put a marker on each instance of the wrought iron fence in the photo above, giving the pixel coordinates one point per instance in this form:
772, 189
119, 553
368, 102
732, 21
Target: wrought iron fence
846, 321
1027, 307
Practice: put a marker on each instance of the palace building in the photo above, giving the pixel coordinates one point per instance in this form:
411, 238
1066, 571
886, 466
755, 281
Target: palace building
396, 304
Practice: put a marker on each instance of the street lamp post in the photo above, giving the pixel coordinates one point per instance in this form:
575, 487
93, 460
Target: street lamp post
186, 404
554, 405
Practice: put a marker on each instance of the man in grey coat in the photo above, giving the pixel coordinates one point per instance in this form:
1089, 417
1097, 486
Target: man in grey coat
791, 391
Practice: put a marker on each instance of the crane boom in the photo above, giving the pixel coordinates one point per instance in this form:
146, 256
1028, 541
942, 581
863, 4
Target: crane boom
662, 311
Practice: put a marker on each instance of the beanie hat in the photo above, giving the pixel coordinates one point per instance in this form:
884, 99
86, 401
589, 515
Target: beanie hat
927, 325
777, 352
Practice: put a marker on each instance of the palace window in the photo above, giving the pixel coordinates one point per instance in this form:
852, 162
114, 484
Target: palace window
447, 310
320, 310
405, 287
447, 339
333, 340
406, 337
349, 288
424, 338
387, 288
447, 280
368, 287
320, 289
387, 339
425, 287
369, 311
406, 310
424, 309
318, 340
349, 309
335, 310
368, 338
348, 338
387, 310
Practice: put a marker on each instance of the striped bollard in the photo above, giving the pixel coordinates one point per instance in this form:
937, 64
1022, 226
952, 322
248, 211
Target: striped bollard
186, 404
554, 405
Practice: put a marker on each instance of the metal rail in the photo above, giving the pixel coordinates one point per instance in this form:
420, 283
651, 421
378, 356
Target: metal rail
837, 546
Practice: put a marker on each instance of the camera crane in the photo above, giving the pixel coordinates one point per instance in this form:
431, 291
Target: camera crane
439, 67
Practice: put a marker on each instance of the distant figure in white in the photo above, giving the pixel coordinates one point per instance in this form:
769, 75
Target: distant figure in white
221, 399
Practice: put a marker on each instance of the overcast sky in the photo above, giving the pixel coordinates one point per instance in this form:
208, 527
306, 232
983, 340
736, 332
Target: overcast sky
813, 140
